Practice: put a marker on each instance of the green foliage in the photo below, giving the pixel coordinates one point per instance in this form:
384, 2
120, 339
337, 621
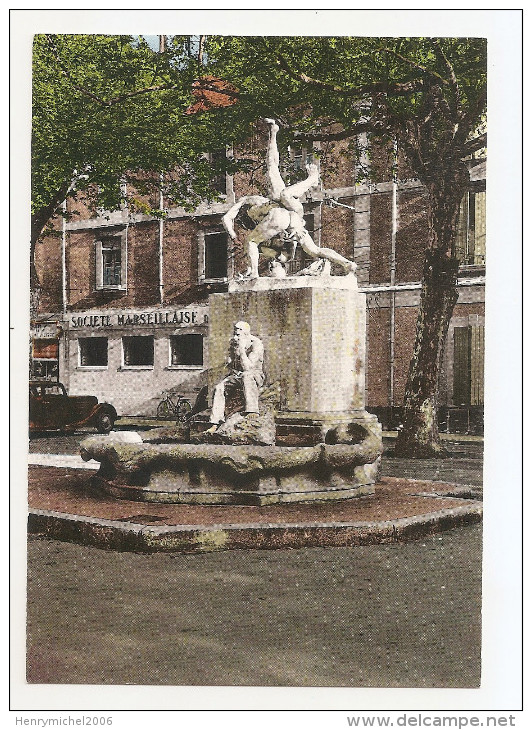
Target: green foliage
318, 83
92, 129
108, 109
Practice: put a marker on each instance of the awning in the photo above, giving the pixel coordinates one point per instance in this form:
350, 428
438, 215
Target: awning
45, 349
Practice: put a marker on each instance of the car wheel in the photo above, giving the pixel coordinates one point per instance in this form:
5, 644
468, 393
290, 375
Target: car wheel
105, 422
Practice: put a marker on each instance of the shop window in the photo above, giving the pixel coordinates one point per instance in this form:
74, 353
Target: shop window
45, 369
92, 351
186, 350
45, 359
138, 351
468, 370
213, 245
470, 246
111, 262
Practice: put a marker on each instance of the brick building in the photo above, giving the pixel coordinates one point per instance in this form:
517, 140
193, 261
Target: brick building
124, 305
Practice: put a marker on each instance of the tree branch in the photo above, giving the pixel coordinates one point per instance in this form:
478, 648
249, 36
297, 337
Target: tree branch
476, 108
419, 67
477, 143
452, 76
67, 75
201, 50
138, 92
397, 88
358, 128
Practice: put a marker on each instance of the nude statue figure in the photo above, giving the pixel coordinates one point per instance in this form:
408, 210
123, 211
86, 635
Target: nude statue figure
279, 218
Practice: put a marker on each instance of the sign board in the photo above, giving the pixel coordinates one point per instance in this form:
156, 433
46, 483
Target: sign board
190, 316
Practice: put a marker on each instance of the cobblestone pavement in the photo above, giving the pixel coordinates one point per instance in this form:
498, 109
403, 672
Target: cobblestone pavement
402, 615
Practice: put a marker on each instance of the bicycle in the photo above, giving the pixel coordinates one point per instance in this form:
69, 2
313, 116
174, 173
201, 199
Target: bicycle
176, 405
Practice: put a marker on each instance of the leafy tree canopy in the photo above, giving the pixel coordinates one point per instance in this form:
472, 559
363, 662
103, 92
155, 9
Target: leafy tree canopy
110, 108
387, 86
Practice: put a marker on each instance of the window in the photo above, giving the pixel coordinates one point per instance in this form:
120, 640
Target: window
470, 246
298, 156
111, 262
468, 370
214, 255
296, 169
45, 359
45, 369
92, 352
112, 265
186, 350
138, 351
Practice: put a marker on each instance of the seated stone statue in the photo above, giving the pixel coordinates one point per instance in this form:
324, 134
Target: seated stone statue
245, 361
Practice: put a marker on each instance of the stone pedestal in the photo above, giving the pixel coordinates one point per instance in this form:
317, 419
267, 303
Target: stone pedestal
313, 331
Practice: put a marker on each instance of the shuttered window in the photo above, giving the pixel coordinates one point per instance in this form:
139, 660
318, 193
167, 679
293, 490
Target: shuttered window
111, 261
470, 243
468, 370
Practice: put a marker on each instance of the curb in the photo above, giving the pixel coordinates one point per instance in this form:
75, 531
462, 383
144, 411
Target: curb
128, 536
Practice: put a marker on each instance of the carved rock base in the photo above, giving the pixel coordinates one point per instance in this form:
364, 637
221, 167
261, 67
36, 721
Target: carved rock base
252, 475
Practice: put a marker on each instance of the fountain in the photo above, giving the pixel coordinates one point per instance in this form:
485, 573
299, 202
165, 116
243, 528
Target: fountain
311, 438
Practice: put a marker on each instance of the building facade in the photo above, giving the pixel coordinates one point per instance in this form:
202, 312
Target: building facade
124, 304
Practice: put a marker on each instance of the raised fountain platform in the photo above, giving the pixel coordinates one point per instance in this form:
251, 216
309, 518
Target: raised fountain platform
237, 474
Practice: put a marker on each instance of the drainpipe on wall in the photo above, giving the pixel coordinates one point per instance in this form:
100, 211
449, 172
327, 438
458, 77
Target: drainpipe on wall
63, 260
393, 264
161, 237
64, 370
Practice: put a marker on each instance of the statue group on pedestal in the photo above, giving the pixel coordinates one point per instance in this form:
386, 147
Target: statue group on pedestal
280, 224
278, 228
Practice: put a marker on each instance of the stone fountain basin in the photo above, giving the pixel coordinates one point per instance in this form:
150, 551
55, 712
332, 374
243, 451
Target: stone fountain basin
232, 474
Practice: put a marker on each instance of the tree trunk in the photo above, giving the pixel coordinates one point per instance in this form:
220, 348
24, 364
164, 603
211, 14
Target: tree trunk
419, 437
35, 288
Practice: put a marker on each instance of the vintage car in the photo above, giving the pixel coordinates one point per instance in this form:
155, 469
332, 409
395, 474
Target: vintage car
52, 409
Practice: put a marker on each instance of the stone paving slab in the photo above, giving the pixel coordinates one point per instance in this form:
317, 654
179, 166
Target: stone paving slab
66, 505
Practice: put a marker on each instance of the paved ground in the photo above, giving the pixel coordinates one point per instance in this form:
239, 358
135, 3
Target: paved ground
403, 615
396, 615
